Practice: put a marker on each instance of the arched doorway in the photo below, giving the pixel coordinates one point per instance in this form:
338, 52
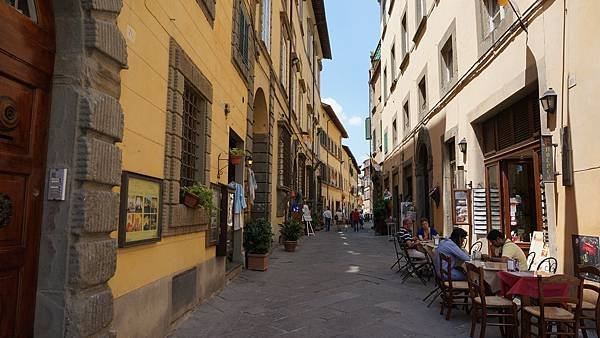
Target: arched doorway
262, 156
423, 172
26, 66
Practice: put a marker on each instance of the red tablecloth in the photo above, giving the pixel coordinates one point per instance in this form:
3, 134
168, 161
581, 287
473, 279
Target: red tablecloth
525, 284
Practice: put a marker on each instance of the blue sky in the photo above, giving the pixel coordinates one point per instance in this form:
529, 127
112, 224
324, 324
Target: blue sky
354, 33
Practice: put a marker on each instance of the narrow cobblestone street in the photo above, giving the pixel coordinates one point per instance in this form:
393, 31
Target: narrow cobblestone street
335, 285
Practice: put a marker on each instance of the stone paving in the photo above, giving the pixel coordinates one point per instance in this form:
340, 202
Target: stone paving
334, 285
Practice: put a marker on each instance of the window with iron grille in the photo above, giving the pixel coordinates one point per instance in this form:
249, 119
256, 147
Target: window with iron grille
192, 164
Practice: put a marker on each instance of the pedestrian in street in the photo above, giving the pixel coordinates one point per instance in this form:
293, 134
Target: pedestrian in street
355, 220
339, 219
327, 218
361, 220
306, 218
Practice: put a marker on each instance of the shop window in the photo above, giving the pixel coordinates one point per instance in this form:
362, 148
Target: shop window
285, 177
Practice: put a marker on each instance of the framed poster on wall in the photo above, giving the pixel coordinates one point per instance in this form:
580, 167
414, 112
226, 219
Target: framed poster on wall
586, 252
140, 217
461, 207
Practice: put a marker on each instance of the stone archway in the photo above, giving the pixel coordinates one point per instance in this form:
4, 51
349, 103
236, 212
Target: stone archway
77, 256
262, 156
423, 174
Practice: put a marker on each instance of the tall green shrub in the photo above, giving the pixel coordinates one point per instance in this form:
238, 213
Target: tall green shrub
258, 236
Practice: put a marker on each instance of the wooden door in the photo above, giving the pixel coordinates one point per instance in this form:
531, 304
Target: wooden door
26, 63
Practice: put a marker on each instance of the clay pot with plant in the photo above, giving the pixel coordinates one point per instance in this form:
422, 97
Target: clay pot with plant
257, 244
290, 232
197, 195
236, 155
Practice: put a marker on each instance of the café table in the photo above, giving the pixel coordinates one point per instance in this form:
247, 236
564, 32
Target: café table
524, 284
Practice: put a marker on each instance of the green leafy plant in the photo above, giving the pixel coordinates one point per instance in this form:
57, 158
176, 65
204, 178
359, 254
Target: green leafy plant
379, 210
204, 194
236, 152
258, 236
291, 230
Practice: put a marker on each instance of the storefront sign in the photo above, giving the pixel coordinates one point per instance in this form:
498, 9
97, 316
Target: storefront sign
141, 210
547, 157
461, 207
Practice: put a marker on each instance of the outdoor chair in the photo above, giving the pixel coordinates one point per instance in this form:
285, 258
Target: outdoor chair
549, 264
416, 267
437, 290
530, 260
554, 311
401, 260
590, 311
454, 293
489, 307
476, 247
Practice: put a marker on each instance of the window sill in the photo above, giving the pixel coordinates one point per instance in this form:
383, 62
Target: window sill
404, 62
420, 30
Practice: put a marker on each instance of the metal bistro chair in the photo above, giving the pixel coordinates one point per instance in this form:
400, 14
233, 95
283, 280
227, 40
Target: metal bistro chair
549, 264
416, 267
401, 260
437, 290
476, 247
554, 311
590, 311
453, 292
530, 260
485, 307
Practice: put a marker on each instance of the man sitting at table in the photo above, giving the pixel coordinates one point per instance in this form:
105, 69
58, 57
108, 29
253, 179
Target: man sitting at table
451, 247
508, 250
406, 237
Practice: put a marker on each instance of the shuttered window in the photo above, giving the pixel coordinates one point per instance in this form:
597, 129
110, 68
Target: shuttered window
516, 124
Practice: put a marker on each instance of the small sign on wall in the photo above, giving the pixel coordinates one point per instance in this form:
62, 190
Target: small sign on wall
140, 218
461, 205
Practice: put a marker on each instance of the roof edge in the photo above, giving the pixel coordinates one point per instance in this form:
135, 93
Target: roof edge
321, 18
334, 118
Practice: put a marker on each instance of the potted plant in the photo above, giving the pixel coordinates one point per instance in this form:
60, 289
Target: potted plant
290, 231
198, 195
379, 215
235, 155
257, 243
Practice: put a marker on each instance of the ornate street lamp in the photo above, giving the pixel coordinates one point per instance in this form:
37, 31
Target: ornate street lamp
548, 101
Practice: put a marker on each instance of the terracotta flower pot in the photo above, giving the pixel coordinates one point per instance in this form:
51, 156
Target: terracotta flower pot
190, 200
258, 262
235, 159
290, 246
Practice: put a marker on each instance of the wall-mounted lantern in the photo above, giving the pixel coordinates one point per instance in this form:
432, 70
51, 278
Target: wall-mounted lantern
462, 146
548, 101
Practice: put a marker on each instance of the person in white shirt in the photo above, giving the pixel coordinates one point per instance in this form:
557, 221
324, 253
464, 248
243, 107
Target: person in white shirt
339, 218
327, 218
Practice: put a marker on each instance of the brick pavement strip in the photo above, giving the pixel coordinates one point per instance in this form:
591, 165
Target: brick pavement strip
335, 285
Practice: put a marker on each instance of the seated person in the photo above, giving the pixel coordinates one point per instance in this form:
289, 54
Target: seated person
405, 237
508, 250
451, 247
426, 233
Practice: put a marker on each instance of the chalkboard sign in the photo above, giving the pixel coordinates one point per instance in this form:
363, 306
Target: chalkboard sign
461, 207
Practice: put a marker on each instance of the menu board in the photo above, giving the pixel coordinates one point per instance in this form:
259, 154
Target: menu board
140, 210
480, 211
461, 204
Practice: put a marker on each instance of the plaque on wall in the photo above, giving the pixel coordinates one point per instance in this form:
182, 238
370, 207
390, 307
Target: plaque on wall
140, 218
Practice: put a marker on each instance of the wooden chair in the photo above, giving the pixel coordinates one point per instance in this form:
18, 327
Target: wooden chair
453, 292
554, 311
476, 247
549, 264
590, 311
486, 307
530, 259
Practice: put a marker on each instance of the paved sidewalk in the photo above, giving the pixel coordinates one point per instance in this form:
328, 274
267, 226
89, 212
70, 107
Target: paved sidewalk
334, 285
